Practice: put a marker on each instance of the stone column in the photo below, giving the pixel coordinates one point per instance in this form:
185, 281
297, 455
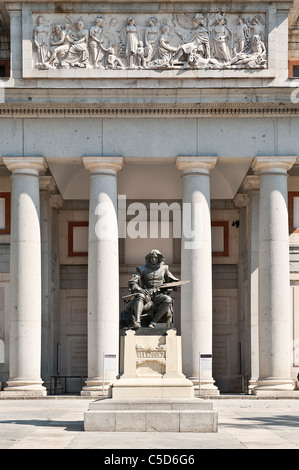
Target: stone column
274, 278
47, 186
241, 201
196, 266
103, 271
25, 278
251, 185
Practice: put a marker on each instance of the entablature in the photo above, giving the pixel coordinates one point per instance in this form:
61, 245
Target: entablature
147, 110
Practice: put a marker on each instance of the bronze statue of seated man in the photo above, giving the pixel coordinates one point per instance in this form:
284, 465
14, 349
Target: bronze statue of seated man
150, 294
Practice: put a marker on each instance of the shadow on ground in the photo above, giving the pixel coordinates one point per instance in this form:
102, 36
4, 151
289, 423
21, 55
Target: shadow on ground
68, 425
279, 420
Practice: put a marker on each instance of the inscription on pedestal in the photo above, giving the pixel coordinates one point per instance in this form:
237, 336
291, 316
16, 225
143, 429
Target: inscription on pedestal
150, 360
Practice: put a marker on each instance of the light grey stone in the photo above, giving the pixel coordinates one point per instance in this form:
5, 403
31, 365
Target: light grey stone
166, 421
198, 421
134, 421
99, 421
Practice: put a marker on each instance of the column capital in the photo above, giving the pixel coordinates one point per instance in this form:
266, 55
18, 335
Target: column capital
201, 164
47, 183
18, 164
241, 200
251, 183
273, 164
56, 201
94, 164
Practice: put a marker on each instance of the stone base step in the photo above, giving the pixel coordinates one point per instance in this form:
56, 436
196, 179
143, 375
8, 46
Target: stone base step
157, 415
150, 404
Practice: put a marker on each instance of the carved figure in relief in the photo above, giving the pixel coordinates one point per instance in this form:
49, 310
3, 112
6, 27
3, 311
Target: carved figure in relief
131, 41
146, 286
59, 46
112, 34
96, 43
196, 53
202, 34
78, 52
195, 59
256, 27
41, 38
254, 60
151, 39
179, 41
221, 39
241, 35
165, 50
140, 55
197, 36
113, 62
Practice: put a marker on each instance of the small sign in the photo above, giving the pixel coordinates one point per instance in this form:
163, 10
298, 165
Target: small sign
206, 362
110, 362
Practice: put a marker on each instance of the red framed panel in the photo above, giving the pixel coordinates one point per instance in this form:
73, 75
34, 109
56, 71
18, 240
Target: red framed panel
291, 197
225, 225
71, 226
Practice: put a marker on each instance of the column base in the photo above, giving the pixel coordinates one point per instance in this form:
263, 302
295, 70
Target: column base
251, 386
96, 388
206, 389
274, 387
24, 388
23, 393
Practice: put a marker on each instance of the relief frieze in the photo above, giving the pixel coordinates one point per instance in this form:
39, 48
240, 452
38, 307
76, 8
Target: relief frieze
180, 41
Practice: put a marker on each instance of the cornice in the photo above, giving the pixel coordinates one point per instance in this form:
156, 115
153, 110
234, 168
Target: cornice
167, 110
65, 2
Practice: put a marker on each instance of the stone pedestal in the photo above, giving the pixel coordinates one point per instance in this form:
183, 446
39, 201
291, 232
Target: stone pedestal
151, 366
151, 415
152, 394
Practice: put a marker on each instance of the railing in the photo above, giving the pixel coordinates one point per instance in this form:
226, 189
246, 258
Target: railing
245, 384
56, 389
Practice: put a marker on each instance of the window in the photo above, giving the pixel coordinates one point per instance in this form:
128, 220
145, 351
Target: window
4, 68
293, 68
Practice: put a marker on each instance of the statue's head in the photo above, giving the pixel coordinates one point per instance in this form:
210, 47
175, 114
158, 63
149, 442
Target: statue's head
154, 257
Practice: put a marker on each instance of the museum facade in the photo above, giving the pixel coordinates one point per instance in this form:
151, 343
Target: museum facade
132, 126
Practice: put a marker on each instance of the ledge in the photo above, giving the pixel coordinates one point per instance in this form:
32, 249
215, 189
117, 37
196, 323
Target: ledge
146, 110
